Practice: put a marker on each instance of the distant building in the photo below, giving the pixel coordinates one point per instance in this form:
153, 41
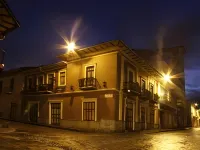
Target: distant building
171, 60
195, 115
11, 85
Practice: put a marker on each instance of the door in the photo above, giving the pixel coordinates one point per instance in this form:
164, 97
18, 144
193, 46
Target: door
13, 111
162, 121
143, 118
55, 113
33, 113
152, 116
129, 117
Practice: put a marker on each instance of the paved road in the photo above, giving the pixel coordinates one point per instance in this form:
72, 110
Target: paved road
30, 137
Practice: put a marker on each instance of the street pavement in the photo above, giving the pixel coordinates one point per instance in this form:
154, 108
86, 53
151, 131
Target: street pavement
32, 137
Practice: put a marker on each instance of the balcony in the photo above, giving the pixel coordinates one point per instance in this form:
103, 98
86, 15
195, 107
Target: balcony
8, 90
155, 97
145, 94
88, 83
132, 88
45, 87
42, 88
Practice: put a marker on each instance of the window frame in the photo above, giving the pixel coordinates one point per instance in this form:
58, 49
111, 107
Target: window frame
59, 78
28, 84
85, 71
133, 71
12, 86
151, 84
89, 100
141, 80
167, 93
61, 108
38, 79
47, 79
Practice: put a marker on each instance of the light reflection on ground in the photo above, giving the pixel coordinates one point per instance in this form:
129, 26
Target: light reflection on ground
36, 137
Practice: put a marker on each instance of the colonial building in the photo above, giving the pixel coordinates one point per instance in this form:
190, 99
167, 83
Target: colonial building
11, 84
195, 115
171, 61
104, 87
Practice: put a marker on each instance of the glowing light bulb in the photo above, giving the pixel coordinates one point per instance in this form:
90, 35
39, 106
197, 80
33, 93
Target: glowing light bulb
71, 46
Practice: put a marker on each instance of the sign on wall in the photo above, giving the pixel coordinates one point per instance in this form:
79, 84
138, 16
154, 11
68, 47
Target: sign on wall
108, 95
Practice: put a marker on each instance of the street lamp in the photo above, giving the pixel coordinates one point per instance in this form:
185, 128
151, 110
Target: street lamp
167, 77
196, 104
71, 46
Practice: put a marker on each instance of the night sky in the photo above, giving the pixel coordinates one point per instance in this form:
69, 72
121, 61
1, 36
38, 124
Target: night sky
138, 23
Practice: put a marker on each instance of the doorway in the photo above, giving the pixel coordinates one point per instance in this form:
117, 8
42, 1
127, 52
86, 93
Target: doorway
143, 118
13, 111
129, 124
33, 113
55, 113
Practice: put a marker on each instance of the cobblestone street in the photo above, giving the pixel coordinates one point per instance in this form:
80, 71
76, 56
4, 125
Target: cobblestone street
44, 138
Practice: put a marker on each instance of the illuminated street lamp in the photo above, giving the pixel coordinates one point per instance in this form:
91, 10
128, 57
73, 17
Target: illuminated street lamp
167, 77
71, 46
196, 104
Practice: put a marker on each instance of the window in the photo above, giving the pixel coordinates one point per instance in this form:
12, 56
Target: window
164, 94
11, 84
151, 88
90, 72
89, 111
55, 113
143, 86
1, 86
50, 78
30, 83
131, 75
40, 80
62, 78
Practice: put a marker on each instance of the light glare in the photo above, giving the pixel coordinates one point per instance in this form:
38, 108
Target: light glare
71, 46
167, 77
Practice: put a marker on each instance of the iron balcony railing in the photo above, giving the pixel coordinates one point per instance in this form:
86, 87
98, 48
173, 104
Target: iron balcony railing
88, 83
131, 87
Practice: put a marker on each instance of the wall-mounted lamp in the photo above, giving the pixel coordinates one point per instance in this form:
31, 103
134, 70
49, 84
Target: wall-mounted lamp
72, 88
105, 84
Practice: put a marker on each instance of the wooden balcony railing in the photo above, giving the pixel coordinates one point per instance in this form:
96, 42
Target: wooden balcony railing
132, 87
39, 88
45, 87
88, 83
145, 94
156, 97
